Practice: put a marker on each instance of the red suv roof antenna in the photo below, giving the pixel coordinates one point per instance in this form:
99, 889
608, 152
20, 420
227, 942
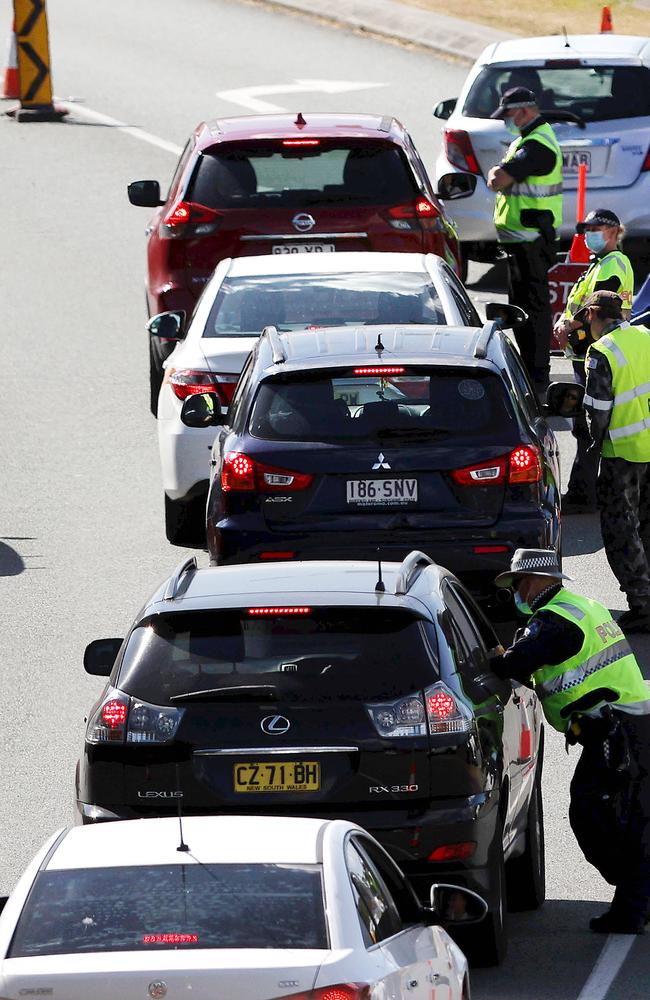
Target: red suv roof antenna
300, 121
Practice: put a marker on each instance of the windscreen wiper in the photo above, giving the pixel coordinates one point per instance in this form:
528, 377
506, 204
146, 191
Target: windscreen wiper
243, 692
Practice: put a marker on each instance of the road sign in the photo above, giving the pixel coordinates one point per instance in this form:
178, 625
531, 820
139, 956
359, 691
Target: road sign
34, 63
249, 97
561, 278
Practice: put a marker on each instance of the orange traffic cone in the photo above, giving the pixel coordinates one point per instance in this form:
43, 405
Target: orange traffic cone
12, 84
579, 252
606, 20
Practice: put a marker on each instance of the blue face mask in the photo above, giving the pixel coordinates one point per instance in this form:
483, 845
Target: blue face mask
595, 241
512, 128
521, 605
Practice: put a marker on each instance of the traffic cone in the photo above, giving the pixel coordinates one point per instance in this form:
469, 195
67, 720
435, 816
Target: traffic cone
12, 84
606, 20
579, 252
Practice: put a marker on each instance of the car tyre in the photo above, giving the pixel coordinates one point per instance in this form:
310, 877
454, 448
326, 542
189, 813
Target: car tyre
526, 875
185, 521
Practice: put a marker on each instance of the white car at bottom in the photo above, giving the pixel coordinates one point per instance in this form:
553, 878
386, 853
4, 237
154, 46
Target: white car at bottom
248, 907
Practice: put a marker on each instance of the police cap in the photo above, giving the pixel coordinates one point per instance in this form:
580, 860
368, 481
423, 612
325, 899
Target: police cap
598, 217
609, 305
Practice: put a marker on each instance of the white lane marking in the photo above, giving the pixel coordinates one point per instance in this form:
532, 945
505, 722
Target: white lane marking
248, 97
607, 966
81, 111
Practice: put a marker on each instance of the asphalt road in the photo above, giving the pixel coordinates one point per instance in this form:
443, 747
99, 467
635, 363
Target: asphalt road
81, 517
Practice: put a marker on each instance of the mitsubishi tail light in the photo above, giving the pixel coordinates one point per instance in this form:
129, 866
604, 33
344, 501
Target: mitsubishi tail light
241, 473
446, 713
459, 150
522, 465
419, 214
186, 220
405, 717
185, 382
122, 719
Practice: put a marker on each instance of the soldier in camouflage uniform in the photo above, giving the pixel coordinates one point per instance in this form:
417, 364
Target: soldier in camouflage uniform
617, 406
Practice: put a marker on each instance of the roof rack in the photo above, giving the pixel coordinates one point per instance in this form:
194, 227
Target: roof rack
187, 566
487, 332
277, 347
410, 569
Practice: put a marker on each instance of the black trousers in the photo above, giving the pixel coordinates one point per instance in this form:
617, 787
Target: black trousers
528, 265
584, 472
623, 494
610, 812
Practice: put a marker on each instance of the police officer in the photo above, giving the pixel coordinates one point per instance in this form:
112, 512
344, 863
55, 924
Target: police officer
610, 270
527, 213
591, 689
617, 406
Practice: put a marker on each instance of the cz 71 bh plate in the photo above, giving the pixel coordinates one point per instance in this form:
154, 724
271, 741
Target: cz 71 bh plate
289, 776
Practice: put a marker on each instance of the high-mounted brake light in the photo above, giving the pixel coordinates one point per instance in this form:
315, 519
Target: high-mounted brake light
301, 142
459, 150
186, 219
239, 473
170, 938
268, 612
384, 370
186, 382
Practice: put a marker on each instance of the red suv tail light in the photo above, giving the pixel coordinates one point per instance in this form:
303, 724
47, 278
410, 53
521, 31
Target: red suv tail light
242, 474
121, 719
459, 150
187, 381
522, 465
405, 717
187, 220
419, 214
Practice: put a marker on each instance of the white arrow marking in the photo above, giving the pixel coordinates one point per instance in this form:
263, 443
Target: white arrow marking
248, 97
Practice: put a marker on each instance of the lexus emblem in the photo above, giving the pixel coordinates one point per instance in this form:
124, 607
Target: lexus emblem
303, 222
381, 462
275, 725
157, 989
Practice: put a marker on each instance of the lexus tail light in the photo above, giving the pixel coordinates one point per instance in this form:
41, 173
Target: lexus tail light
405, 717
187, 220
121, 719
446, 713
459, 150
185, 382
241, 473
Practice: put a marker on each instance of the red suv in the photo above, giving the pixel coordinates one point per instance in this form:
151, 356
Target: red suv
278, 184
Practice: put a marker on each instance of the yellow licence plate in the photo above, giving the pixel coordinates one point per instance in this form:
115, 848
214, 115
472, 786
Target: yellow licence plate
289, 776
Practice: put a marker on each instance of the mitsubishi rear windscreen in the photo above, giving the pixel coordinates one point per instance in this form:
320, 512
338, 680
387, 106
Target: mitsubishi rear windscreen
164, 907
305, 654
297, 173
384, 403
594, 93
244, 306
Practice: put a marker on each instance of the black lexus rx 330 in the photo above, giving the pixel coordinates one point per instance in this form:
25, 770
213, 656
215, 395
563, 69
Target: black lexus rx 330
328, 689
338, 441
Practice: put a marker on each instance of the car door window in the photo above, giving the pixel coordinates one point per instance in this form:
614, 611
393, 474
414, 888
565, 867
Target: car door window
235, 407
180, 167
403, 896
469, 315
468, 645
378, 914
523, 388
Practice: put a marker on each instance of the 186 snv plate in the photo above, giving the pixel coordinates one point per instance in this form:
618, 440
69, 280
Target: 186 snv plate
381, 492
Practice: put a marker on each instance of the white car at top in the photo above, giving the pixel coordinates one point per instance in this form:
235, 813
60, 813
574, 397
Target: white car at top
291, 292
254, 907
601, 83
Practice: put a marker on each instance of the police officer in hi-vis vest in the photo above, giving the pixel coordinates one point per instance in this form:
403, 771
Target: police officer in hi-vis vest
617, 406
527, 214
609, 270
591, 689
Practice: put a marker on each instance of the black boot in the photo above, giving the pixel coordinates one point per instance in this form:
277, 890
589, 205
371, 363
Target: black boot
617, 923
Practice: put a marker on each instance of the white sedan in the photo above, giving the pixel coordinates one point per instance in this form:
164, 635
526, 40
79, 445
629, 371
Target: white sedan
252, 907
291, 292
599, 85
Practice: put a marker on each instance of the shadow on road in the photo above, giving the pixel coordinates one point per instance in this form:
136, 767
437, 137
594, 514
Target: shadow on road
11, 563
581, 534
551, 954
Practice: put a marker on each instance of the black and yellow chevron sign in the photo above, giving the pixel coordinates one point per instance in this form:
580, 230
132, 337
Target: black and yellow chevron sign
33, 54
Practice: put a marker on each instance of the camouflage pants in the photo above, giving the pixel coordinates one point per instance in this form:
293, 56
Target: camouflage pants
623, 494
